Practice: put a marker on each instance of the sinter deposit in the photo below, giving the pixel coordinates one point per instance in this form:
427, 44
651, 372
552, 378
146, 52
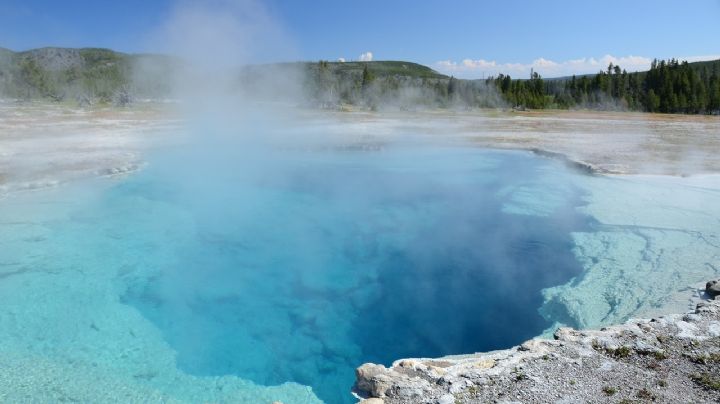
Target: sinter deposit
667, 359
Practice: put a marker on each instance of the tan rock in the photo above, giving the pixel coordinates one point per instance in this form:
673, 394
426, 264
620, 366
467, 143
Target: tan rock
369, 378
484, 363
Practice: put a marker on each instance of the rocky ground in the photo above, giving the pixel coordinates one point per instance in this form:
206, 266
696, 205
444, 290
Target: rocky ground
674, 358
606, 142
44, 145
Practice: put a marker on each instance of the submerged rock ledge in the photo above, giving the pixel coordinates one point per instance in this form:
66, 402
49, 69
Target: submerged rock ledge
575, 164
675, 358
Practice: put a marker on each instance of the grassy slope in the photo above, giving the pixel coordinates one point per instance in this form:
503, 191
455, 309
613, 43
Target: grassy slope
62, 73
388, 68
101, 74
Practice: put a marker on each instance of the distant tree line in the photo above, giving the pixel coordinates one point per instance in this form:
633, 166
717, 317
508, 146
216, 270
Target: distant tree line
389, 84
101, 75
668, 87
533, 93
85, 75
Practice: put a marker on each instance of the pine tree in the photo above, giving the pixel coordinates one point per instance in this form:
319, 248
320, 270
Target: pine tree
653, 101
714, 95
367, 77
452, 87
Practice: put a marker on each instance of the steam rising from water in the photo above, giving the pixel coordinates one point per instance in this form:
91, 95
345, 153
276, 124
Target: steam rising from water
222, 34
307, 255
213, 40
278, 249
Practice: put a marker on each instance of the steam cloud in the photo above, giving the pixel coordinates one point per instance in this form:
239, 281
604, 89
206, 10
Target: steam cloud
256, 182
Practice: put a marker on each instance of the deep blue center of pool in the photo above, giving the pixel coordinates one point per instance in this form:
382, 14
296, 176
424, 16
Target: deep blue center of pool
320, 261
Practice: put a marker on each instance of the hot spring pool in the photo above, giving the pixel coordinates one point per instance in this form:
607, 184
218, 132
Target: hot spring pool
296, 267
351, 258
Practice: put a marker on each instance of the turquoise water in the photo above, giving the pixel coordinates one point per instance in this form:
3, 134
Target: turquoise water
345, 258
301, 265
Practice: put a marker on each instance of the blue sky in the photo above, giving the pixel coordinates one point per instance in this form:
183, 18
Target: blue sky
462, 37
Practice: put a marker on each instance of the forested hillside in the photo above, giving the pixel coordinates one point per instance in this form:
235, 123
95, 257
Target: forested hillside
402, 85
103, 76
84, 75
669, 86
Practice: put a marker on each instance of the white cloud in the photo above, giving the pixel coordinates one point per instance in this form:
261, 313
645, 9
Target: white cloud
366, 57
470, 68
341, 60
700, 58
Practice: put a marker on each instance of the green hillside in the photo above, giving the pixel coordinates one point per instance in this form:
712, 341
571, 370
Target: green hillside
386, 68
103, 75
82, 74
91, 75
670, 86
